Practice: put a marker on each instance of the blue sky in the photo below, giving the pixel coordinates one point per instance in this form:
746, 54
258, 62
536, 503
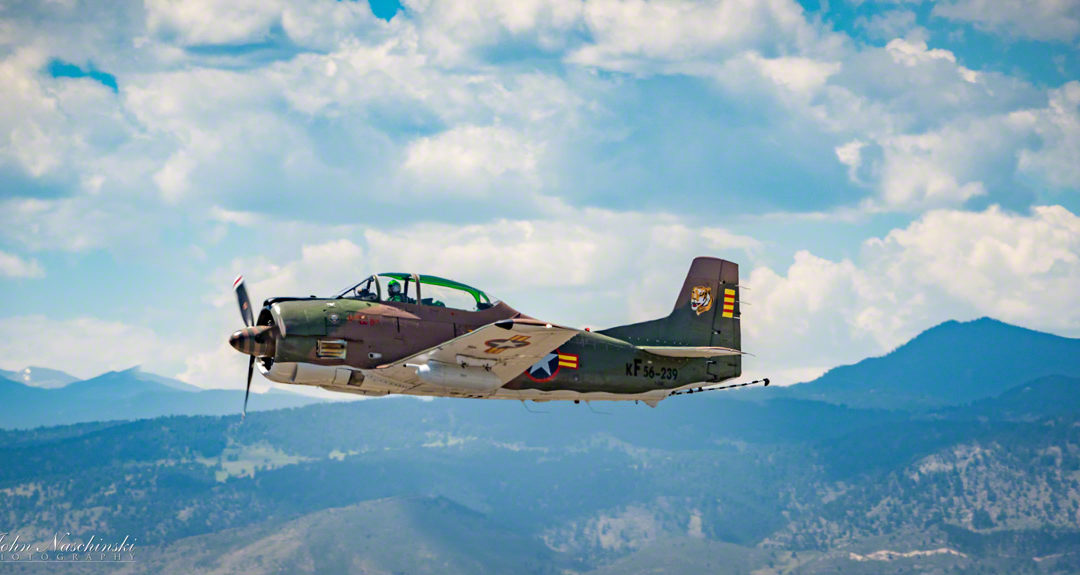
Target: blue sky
875, 167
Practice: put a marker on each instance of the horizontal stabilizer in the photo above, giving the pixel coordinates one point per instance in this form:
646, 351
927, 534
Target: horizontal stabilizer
669, 351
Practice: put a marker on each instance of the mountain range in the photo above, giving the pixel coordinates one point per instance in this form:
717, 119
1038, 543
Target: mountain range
950, 364
39, 377
978, 473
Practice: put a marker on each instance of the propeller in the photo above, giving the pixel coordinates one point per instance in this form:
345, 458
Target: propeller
245, 303
249, 320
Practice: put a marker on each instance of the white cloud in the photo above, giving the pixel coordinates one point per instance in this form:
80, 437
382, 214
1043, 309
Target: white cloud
566, 250
948, 264
890, 24
221, 368
325, 25
1058, 125
850, 154
922, 170
639, 35
239, 218
50, 127
920, 130
599, 250
452, 31
331, 265
13, 266
1037, 19
83, 346
803, 76
473, 158
911, 54
68, 224
209, 22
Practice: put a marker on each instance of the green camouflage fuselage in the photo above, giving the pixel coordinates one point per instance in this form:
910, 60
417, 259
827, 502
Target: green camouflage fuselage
331, 343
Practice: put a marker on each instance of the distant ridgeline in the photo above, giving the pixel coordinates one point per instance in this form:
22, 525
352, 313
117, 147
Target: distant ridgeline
38, 396
965, 471
951, 364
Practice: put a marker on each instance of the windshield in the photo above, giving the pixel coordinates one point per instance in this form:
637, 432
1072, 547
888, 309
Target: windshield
367, 290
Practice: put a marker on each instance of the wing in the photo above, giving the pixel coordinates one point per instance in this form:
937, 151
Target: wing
477, 363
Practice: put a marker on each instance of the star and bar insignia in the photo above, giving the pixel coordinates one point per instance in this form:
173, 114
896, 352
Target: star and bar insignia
497, 346
546, 368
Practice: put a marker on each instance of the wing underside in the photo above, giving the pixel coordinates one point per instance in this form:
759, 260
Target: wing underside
475, 364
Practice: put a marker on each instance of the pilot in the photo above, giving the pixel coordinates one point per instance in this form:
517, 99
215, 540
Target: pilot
395, 292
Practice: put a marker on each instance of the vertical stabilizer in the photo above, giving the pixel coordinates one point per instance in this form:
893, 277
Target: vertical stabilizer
706, 312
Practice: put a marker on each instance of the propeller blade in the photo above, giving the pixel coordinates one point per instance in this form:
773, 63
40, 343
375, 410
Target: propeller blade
247, 392
245, 303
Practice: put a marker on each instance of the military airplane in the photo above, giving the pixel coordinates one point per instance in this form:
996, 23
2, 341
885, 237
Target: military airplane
405, 333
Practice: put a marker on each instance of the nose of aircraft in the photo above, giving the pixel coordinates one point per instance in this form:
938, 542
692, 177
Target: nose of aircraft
257, 341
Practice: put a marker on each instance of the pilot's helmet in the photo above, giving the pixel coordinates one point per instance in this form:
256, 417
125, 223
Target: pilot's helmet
394, 287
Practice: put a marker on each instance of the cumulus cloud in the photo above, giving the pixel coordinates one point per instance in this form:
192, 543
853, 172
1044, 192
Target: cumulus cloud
472, 159
581, 254
636, 35
235, 217
73, 224
1058, 125
208, 22
13, 266
322, 268
803, 76
52, 127
84, 346
1056, 20
452, 32
355, 101
889, 25
948, 264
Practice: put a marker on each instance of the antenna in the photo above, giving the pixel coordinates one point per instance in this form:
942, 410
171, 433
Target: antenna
526, 406
589, 405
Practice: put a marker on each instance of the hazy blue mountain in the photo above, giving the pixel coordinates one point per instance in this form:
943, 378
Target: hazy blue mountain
431, 535
950, 364
128, 394
1050, 396
692, 486
39, 377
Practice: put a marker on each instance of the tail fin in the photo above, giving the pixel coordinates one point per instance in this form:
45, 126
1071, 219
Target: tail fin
706, 312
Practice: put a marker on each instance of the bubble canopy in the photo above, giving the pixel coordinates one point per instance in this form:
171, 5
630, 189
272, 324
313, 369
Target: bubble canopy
398, 287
